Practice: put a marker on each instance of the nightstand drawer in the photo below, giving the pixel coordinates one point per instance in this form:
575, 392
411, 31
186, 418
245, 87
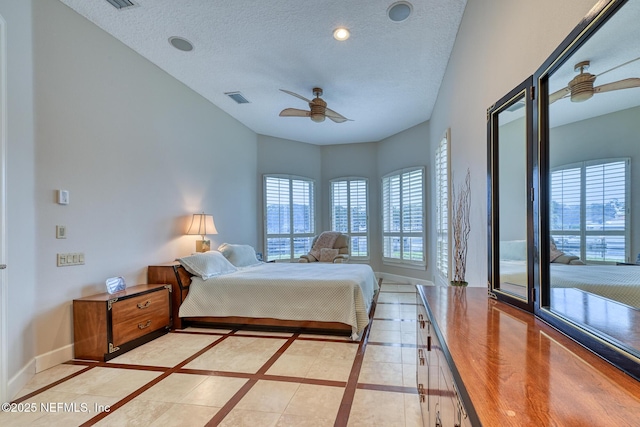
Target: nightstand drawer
139, 326
140, 307
107, 325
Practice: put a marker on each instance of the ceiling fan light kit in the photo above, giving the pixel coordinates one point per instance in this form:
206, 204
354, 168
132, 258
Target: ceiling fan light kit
582, 85
581, 88
318, 110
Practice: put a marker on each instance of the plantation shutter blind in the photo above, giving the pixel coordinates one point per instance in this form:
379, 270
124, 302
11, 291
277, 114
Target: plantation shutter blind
340, 206
349, 213
289, 216
589, 209
442, 209
402, 216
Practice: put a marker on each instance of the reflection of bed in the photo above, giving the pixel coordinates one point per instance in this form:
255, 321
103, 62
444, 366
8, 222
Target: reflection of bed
617, 282
332, 297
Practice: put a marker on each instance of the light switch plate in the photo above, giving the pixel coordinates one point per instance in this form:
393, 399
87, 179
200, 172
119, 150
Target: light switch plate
61, 232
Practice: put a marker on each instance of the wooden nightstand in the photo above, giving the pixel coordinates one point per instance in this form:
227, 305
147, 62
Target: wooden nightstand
107, 325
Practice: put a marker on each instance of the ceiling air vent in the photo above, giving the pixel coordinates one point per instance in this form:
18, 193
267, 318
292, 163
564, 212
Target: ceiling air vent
237, 96
121, 4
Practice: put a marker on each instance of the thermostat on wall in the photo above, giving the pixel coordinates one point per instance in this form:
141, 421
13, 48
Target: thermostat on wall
63, 197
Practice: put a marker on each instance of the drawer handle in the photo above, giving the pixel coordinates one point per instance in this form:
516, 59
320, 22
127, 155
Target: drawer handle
145, 305
429, 343
144, 325
420, 317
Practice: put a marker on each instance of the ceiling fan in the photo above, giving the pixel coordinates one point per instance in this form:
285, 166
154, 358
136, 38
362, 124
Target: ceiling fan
318, 108
581, 87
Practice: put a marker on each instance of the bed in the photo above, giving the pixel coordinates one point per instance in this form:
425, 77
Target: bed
616, 282
313, 297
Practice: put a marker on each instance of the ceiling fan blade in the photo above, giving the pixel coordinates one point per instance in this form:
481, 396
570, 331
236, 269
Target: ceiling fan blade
296, 95
620, 84
338, 118
559, 94
618, 66
294, 112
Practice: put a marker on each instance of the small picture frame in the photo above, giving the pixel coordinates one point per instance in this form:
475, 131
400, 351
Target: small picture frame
115, 284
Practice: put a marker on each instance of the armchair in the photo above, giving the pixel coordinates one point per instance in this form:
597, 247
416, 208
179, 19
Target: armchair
337, 253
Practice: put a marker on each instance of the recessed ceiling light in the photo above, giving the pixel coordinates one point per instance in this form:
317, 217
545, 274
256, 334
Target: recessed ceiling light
181, 44
341, 34
399, 11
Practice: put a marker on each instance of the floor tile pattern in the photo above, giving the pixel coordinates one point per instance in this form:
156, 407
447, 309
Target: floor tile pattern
209, 377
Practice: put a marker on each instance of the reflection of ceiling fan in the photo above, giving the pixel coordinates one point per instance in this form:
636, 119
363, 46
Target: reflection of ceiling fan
318, 108
581, 87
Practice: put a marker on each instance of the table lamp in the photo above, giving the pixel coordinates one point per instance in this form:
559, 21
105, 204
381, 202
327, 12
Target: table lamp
202, 225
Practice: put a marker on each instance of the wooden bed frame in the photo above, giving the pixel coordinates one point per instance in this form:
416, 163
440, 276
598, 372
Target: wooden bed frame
180, 279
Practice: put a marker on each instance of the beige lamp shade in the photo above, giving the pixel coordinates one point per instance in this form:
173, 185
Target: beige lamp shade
202, 224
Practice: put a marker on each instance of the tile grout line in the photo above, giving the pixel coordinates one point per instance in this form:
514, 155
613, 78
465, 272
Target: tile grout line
350, 385
53, 384
344, 410
237, 397
151, 383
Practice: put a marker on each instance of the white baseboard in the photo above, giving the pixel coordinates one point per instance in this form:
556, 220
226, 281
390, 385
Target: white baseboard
53, 358
20, 379
38, 364
404, 279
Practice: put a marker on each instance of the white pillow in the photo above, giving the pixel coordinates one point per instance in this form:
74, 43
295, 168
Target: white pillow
239, 255
207, 264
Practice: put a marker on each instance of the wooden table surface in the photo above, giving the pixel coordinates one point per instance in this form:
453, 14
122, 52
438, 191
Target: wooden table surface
519, 371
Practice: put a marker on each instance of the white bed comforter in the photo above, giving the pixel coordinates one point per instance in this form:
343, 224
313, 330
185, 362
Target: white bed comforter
288, 291
616, 282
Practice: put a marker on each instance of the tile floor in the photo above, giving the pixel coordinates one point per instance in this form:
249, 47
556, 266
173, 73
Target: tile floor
198, 377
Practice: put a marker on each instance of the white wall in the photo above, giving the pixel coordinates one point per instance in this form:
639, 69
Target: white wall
139, 153
21, 235
499, 44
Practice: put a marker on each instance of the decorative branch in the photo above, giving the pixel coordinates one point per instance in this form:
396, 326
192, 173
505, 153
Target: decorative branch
460, 210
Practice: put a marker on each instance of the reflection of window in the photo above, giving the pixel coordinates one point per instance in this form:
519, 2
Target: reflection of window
349, 213
289, 216
402, 217
442, 208
589, 209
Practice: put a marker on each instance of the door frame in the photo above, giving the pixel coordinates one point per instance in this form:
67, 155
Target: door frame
4, 290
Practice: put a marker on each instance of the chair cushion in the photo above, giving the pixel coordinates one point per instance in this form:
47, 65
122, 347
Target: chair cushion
327, 255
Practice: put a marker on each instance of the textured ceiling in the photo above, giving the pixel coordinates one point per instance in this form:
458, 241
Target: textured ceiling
385, 77
614, 54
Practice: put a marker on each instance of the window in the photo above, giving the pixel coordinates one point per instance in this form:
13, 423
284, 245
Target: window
589, 209
350, 214
442, 207
402, 217
289, 216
